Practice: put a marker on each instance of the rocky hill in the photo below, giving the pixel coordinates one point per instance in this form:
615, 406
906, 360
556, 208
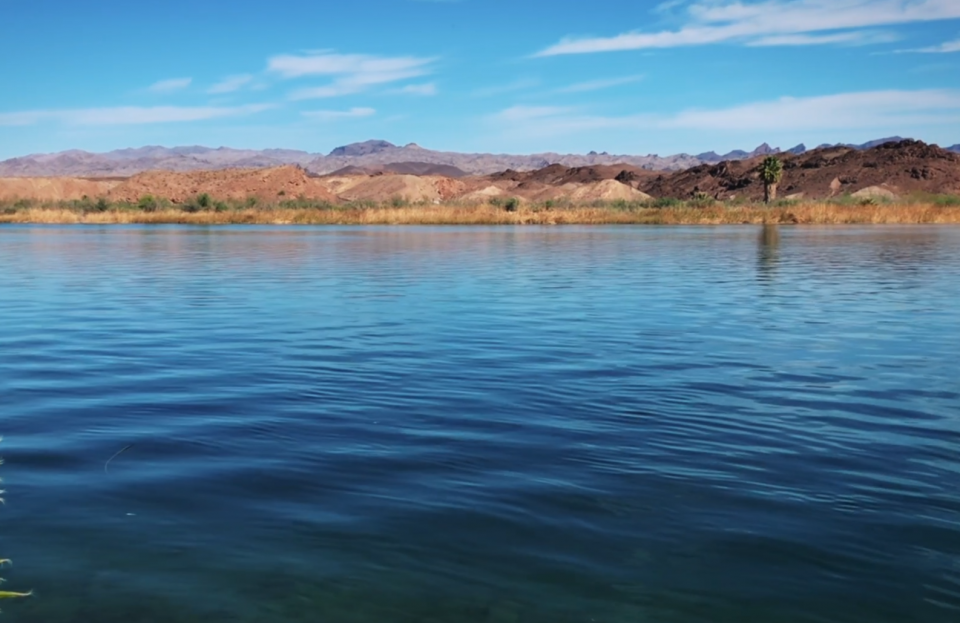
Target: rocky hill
890, 169
896, 168
368, 156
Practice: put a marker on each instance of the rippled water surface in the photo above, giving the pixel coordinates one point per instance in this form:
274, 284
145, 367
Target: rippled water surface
501, 425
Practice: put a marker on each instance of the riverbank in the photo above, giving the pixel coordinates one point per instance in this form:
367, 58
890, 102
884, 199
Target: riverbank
689, 213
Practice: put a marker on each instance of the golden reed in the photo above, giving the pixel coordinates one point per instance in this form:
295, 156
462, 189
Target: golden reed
715, 214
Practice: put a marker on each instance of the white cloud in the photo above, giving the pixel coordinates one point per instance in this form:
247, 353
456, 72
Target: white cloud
880, 109
419, 89
329, 115
230, 84
596, 85
128, 115
943, 48
883, 110
735, 21
852, 37
352, 73
168, 86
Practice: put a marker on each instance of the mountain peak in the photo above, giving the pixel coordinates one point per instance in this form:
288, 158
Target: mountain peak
363, 149
764, 150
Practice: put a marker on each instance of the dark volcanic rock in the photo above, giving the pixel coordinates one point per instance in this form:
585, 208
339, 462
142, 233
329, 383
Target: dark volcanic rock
710, 156
362, 149
763, 150
902, 167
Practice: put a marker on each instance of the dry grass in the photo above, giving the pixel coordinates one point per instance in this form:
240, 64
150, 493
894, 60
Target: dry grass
712, 214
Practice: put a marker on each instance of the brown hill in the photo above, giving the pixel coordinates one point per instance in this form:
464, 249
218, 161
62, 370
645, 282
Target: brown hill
403, 168
557, 174
268, 184
901, 167
888, 170
52, 188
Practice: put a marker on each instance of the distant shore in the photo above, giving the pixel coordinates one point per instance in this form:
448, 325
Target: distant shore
944, 210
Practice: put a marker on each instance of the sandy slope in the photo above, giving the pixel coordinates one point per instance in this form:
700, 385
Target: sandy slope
52, 188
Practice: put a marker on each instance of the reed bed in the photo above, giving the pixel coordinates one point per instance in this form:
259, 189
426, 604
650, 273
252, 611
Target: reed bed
690, 213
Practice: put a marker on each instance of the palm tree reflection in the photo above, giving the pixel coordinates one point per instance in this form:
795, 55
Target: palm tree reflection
768, 252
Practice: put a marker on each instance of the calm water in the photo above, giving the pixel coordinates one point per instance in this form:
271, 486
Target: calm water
494, 425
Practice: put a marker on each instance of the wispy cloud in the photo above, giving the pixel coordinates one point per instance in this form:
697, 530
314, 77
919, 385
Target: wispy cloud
168, 86
352, 73
943, 48
230, 84
597, 85
330, 115
882, 109
128, 115
886, 110
855, 37
426, 89
710, 22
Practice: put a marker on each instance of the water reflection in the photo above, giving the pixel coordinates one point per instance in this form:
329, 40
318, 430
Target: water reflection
768, 252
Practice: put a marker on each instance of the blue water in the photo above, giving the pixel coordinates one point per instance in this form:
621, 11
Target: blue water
499, 425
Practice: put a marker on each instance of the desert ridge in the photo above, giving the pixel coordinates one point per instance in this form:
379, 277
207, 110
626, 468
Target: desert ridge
889, 170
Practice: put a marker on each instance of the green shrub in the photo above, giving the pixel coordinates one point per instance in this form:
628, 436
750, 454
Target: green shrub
148, 203
666, 202
947, 200
203, 201
102, 205
512, 204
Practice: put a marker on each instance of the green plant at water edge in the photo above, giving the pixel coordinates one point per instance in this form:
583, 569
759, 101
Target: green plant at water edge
771, 172
667, 202
148, 203
946, 200
3, 561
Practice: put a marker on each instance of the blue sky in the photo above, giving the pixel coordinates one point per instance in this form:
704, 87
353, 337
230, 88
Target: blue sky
623, 76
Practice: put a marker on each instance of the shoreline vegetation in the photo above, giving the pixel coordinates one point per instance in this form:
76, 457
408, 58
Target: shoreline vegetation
204, 210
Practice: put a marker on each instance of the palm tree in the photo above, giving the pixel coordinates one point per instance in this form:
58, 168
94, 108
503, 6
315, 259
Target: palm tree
771, 170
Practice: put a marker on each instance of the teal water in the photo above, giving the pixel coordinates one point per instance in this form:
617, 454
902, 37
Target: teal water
500, 425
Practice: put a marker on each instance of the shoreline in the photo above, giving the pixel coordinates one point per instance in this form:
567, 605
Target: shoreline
820, 213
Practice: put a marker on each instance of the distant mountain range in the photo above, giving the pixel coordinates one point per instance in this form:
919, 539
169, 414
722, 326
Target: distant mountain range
371, 155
